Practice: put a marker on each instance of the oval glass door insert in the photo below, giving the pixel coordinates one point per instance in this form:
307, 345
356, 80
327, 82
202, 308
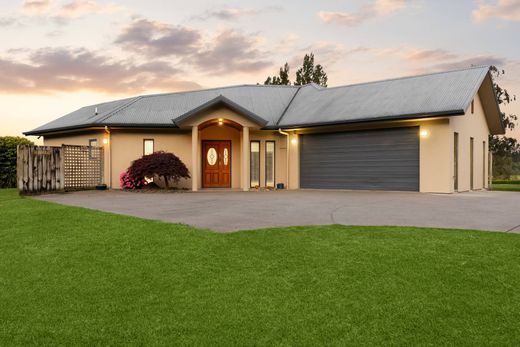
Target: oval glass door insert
212, 156
226, 156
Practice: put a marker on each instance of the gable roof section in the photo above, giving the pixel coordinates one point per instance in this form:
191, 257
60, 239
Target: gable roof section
221, 100
163, 110
439, 94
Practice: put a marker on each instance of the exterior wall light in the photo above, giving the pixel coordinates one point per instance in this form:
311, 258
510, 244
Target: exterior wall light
220, 121
294, 141
424, 133
105, 141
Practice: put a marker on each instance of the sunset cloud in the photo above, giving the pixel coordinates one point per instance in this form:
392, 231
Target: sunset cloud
481, 60
417, 54
51, 70
231, 52
235, 13
502, 9
80, 8
37, 7
66, 11
8, 21
378, 8
226, 51
153, 38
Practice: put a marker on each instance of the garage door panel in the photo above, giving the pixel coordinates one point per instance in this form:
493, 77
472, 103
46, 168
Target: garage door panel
379, 159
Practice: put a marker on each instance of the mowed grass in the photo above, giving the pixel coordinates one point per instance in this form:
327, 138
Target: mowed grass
512, 187
71, 276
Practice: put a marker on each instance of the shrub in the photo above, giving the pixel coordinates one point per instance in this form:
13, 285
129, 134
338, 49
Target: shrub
8, 159
161, 164
127, 182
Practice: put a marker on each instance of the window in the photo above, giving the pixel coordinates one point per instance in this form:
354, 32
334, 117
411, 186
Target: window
255, 163
472, 106
92, 153
269, 163
148, 146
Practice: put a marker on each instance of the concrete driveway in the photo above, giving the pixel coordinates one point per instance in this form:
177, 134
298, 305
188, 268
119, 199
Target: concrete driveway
231, 211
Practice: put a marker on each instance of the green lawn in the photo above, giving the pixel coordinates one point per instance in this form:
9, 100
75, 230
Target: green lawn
506, 185
71, 276
512, 187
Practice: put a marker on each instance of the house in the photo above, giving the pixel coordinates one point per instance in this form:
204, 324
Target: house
426, 133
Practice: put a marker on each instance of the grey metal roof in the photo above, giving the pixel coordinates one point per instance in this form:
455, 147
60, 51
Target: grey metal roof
433, 94
445, 93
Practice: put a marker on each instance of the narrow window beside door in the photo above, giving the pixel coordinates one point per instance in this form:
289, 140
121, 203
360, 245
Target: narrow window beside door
148, 146
269, 163
255, 163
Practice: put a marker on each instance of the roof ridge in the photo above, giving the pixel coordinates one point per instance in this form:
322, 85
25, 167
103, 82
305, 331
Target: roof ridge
405, 77
114, 111
287, 107
217, 88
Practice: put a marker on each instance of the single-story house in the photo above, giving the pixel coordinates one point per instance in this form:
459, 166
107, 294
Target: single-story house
426, 133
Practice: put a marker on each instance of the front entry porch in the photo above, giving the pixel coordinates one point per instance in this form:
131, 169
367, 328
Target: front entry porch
220, 152
224, 137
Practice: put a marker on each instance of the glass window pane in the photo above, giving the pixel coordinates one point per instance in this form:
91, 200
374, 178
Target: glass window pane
255, 164
92, 153
148, 147
269, 164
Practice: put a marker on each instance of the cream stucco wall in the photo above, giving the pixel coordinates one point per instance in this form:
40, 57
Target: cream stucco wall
468, 126
435, 165
127, 146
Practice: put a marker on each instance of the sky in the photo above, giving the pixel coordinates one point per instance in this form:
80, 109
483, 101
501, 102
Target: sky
57, 56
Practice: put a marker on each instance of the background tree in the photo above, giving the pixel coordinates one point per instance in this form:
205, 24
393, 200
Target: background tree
161, 164
281, 79
8, 159
306, 74
506, 150
309, 73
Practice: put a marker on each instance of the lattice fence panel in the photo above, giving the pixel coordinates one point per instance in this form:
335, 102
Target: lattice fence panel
83, 166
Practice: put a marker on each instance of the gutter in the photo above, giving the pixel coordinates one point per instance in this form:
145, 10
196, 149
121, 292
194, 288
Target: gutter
288, 148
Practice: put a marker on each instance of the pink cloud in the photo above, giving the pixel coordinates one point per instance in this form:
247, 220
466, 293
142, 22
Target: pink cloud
502, 9
52, 70
37, 7
378, 8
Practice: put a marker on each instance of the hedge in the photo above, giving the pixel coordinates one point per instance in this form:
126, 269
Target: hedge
8, 159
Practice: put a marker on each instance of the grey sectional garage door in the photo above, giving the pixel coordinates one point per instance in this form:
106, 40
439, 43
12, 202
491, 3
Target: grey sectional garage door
385, 159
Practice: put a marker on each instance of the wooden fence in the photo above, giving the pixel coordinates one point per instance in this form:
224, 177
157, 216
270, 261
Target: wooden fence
45, 169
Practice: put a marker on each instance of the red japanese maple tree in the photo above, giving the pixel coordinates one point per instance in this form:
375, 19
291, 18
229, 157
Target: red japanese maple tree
161, 164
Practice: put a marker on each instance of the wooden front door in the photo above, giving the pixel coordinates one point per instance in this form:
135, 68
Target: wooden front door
216, 164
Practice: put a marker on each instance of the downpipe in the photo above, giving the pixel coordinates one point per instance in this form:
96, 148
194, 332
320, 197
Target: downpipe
288, 152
